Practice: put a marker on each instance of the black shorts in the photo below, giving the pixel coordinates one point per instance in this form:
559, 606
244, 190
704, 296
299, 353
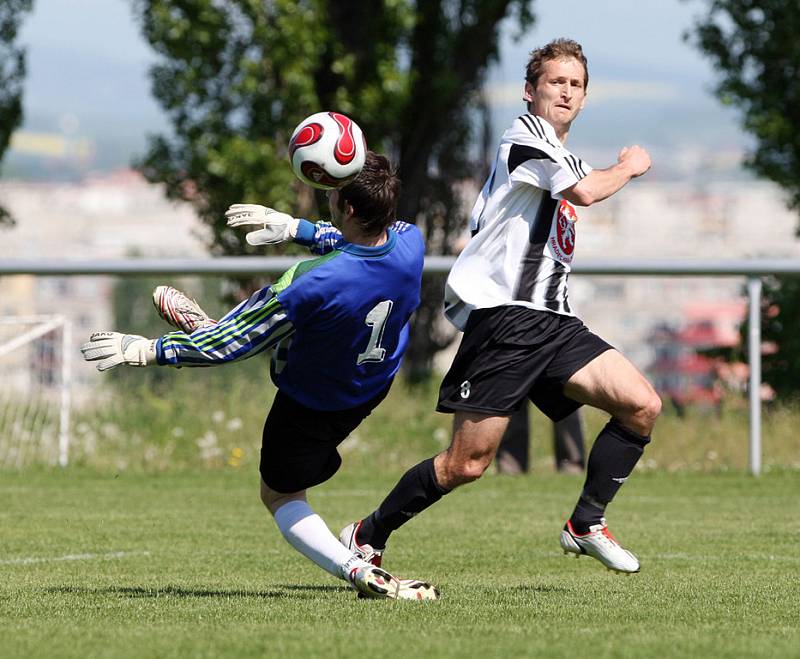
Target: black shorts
298, 445
510, 353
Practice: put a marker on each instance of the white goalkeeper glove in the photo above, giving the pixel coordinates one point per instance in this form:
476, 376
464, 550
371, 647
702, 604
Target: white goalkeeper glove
110, 349
276, 227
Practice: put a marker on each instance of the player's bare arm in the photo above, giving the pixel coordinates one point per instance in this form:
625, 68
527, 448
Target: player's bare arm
599, 184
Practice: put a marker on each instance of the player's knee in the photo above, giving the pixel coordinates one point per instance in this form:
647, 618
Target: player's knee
466, 471
267, 497
273, 500
472, 470
653, 407
649, 407
646, 410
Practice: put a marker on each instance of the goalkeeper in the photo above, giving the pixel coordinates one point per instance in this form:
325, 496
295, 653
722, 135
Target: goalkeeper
337, 326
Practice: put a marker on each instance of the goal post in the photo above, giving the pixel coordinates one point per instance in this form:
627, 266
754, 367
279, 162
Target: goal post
35, 376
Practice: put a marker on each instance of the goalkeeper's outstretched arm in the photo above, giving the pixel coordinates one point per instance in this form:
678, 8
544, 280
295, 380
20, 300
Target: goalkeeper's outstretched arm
254, 326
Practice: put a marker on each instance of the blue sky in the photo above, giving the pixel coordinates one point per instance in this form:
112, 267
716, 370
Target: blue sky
87, 73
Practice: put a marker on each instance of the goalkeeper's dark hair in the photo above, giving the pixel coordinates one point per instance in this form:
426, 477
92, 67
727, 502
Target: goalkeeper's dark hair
373, 195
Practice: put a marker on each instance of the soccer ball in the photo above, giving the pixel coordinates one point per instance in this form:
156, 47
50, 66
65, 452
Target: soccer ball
327, 150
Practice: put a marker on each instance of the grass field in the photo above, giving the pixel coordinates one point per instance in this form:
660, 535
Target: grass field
186, 563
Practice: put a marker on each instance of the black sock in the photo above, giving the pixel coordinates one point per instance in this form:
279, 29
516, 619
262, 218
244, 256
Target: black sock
615, 453
414, 492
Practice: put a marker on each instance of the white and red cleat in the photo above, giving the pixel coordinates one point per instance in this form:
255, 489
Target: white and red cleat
375, 583
413, 589
372, 582
600, 544
367, 553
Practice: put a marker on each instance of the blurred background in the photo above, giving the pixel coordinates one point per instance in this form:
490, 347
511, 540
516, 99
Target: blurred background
128, 126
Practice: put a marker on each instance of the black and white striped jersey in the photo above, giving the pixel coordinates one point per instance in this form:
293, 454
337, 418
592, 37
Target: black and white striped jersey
523, 231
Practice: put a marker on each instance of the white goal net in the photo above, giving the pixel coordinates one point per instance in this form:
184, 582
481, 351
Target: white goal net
34, 390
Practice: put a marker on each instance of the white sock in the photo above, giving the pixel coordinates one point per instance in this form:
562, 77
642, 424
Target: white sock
308, 534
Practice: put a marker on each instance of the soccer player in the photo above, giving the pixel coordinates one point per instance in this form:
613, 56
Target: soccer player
338, 327
508, 292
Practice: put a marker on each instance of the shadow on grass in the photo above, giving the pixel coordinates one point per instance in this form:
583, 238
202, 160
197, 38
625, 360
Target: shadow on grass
282, 591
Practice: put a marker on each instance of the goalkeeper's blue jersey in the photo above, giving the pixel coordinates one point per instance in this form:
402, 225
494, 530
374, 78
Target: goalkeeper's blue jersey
338, 323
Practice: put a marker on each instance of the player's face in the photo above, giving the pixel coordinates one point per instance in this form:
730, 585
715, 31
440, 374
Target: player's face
559, 94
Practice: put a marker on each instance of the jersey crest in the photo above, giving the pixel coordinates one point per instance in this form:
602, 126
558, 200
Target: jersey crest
561, 242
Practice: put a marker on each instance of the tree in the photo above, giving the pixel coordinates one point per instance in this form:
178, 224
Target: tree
780, 312
236, 76
753, 46
12, 73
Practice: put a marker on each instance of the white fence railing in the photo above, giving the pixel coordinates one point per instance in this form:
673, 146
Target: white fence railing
752, 269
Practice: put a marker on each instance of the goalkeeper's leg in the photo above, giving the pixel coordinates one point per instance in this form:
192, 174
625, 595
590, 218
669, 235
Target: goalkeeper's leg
307, 533
179, 310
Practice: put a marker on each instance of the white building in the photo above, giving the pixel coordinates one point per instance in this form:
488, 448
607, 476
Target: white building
716, 220
120, 214
111, 216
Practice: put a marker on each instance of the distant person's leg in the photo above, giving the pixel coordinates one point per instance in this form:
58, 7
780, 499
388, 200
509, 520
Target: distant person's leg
568, 444
513, 456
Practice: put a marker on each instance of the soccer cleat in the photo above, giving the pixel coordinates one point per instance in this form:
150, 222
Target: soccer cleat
367, 553
179, 310
374, 583
600, 544
371, 581
412, 589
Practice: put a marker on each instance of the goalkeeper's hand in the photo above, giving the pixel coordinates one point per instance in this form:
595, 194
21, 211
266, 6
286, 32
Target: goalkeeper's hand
110, 349
275, 227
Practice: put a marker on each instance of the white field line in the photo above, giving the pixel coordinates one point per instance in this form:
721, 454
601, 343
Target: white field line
74, 557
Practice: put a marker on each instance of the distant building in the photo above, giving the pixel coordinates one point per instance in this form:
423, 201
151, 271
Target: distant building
108, 216
709, 220
684, 369
119, 214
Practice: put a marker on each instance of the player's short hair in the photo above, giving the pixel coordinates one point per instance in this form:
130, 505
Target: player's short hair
373, 194
556, 49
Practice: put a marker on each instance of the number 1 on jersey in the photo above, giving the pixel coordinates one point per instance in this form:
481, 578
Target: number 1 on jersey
376, 319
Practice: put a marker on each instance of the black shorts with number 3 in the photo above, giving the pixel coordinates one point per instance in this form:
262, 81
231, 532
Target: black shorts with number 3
510, 353
298, 445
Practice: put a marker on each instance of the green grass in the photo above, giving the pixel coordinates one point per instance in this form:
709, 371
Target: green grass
187, 563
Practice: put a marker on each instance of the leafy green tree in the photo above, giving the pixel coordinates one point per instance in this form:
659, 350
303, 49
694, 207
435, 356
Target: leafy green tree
754, 48
236, 76
780, 312
12, 73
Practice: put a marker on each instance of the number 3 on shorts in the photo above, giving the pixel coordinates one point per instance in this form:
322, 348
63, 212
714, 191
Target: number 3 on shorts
376, 319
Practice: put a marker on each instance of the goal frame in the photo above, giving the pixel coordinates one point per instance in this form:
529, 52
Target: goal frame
41, 325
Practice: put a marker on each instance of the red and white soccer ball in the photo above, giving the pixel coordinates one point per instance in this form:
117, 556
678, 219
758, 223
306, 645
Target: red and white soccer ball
327, 150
